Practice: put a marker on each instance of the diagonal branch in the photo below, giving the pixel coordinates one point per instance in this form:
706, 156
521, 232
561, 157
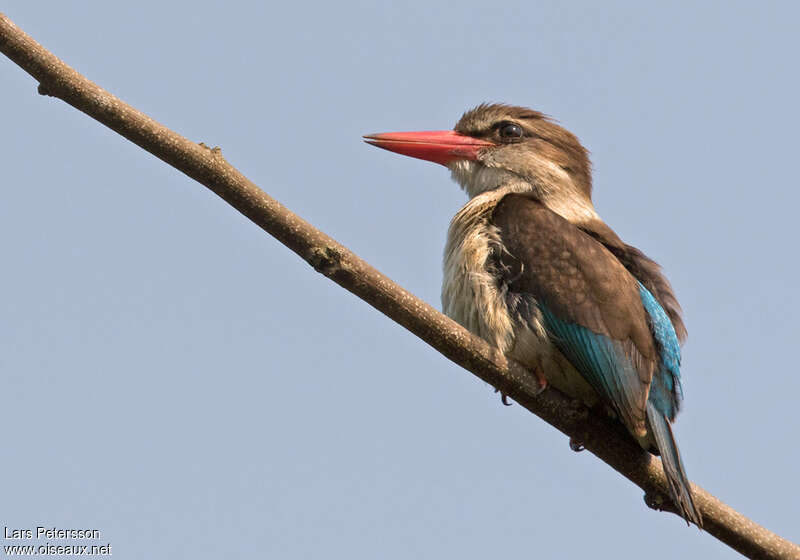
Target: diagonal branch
598, 434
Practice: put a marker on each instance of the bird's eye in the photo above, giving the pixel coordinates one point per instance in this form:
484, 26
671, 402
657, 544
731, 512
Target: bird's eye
511, 130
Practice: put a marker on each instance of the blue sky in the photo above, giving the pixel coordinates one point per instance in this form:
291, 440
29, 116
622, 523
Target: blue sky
180, 381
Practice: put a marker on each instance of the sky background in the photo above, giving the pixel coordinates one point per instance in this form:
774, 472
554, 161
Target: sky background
177, 379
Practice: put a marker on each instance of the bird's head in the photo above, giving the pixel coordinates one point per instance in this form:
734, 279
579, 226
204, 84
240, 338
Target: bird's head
501, 146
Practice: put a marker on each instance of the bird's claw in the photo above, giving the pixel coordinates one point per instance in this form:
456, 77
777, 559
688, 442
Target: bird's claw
576, 445
654, 501
503, 397
541, 382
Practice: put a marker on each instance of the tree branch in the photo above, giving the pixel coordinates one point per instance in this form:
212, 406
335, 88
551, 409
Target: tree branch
603, 437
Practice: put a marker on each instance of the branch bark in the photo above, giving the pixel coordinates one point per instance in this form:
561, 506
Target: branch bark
603, 437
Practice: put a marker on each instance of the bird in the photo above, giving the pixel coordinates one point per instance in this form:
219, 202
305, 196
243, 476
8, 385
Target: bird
530, 267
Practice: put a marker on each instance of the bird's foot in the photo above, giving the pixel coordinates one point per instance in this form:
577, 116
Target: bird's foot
541, 379
655, 501
576, 445
579, 413
503, 397
541, 382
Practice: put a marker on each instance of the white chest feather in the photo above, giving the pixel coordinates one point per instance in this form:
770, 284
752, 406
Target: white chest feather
471, 294
474, 296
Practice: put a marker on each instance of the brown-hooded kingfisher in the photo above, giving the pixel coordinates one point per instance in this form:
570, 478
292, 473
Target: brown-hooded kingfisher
531, 267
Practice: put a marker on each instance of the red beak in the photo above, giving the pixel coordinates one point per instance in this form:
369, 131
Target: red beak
440, 146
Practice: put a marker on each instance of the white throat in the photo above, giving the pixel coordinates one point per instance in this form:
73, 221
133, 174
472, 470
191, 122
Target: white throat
552, 186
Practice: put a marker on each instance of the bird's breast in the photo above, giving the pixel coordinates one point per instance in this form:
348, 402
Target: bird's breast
475, 295
471, 292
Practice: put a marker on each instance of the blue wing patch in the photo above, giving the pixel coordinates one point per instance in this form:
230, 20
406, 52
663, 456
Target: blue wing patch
665, 391
607, 365
603, 362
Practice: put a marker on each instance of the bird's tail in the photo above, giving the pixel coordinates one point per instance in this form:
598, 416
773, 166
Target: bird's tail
679, 485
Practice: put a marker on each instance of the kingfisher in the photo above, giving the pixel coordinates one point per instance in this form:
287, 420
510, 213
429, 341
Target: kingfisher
530, 267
